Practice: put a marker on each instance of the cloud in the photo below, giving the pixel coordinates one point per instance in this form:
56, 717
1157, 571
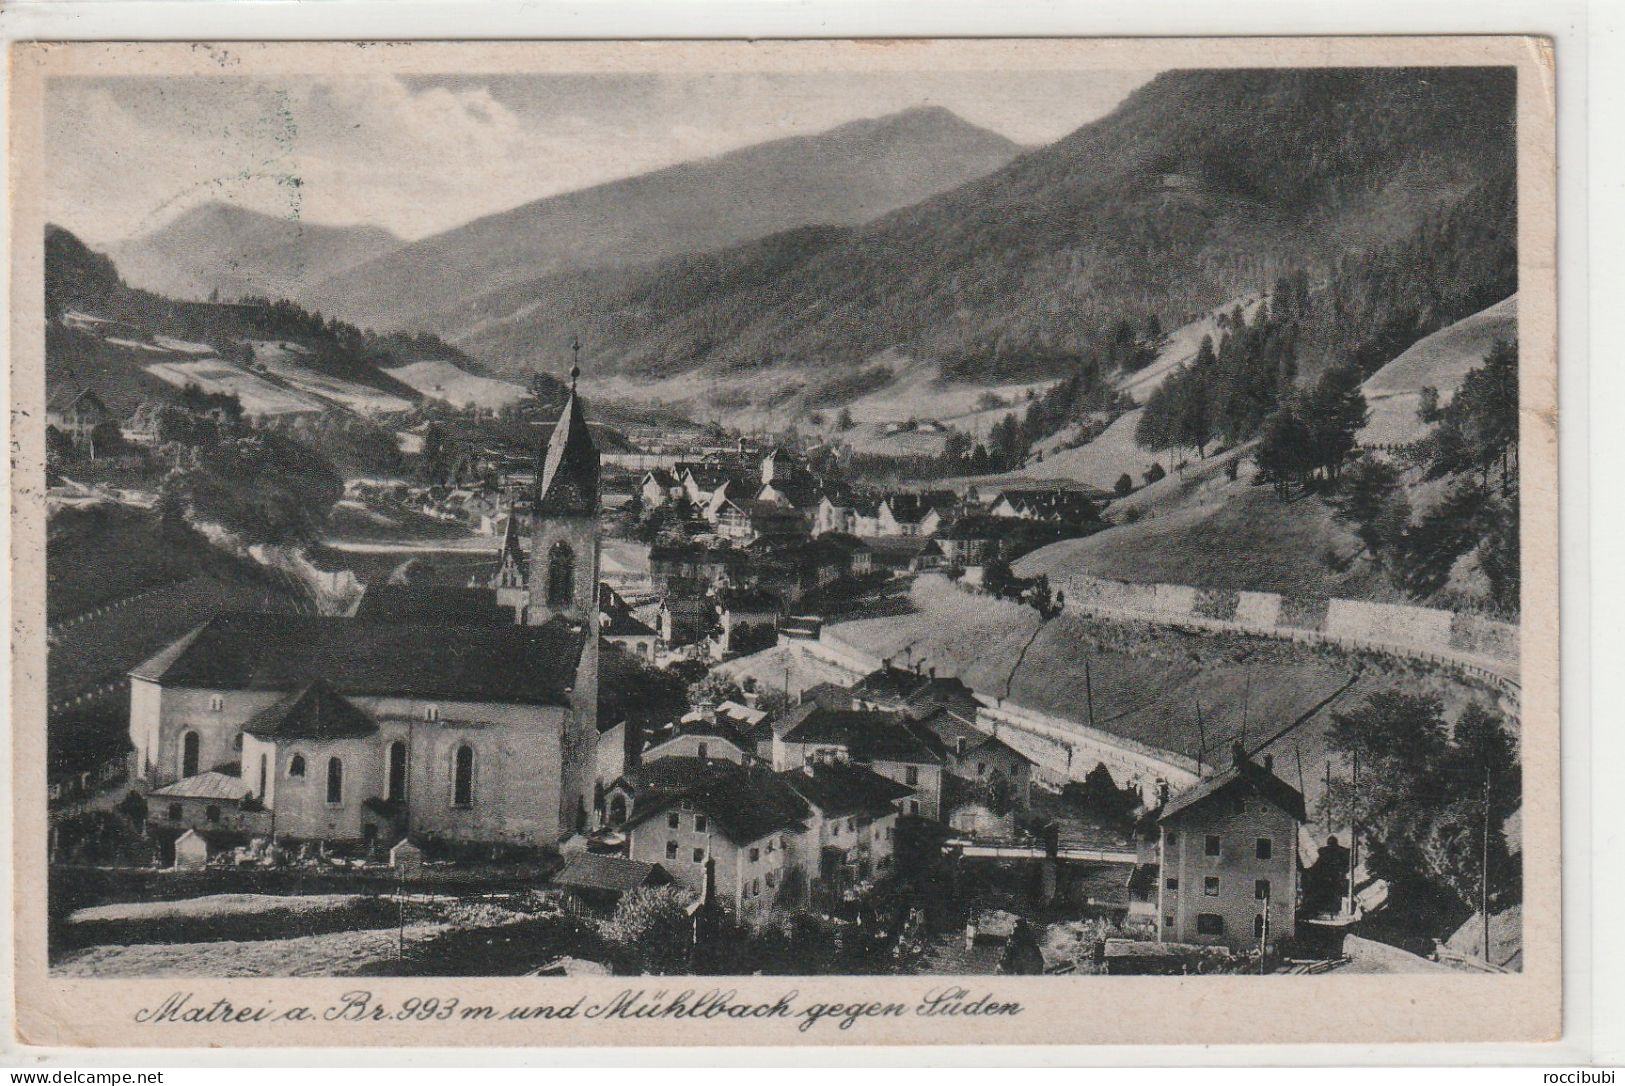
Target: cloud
424, 154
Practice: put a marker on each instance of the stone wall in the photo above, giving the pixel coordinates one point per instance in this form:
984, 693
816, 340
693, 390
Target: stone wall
1481, 645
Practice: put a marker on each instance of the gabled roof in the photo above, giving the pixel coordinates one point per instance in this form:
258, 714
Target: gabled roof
911, 508
866, 735
1244, 774
591, 871
433, 605
210, 785
840, 789
569, 476
661, 477
315, 712
624, 624
65, 399
534, 665
747, 803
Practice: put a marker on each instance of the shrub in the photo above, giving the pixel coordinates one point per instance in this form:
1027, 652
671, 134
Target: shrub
651, 931
1153, 474
1124, 485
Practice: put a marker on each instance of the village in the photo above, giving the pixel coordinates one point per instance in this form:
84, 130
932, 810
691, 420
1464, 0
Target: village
583, 707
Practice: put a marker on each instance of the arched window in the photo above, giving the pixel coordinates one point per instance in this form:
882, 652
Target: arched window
264, 770
189, 754
561, 575
335, 781
462, 777
617, 810
395, 788
296, 766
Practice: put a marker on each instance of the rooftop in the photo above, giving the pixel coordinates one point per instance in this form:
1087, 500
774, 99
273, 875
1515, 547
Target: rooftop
315, 712
533, 665
210, 785
840, 789
591, 871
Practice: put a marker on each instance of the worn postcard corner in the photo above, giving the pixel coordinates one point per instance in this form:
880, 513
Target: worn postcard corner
785, 542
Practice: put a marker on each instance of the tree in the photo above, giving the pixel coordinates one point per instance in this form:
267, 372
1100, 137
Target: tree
1430, 548
106, 439
1369, 499
1425, 793
843, 421
1285, 454
1334, 411
1124, 485
1154, 474
1478, 430
651, 931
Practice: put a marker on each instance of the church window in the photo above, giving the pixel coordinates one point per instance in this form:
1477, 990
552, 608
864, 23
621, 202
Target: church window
212, 813
462, 792
561, 575
217, 703
175, 812
189, 754
431, 712
335, 781
264, 769
296, 766
395, 787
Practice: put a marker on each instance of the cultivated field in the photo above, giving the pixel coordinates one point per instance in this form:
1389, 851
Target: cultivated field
258, 396
444, 381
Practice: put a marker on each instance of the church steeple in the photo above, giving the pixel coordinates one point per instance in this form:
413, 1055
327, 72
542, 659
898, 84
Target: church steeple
568, 482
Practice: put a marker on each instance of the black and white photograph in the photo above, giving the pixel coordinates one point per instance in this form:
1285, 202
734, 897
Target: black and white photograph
595, 523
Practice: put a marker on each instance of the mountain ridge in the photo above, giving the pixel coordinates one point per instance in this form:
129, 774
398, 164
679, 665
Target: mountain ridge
1202, 186
219, 248
845, 175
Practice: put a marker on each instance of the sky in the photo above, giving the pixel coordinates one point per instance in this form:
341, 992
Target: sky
418, 155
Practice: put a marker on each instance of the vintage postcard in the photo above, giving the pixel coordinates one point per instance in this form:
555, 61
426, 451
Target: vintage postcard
802, 542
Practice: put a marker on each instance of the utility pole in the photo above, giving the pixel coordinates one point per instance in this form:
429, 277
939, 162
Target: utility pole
1089, 691
1484, 864
1354, 825
1328, 805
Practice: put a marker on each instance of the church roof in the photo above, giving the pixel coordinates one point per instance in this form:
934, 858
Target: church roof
569, 475
315, 712
529, 665
433, 604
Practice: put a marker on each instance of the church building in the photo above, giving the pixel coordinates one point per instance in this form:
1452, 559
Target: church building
462, 720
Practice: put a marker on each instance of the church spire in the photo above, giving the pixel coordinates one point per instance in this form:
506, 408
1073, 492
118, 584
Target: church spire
568, 482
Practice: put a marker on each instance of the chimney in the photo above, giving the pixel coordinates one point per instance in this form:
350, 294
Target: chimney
1238, 753
933, 671
959, 745
1162, 793
1269, 763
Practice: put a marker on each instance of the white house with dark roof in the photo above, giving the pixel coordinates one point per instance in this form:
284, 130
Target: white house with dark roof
1225, 858
882, 742
429, 714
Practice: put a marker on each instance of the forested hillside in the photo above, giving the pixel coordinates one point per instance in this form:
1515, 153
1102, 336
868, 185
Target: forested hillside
845, 176
1201, 187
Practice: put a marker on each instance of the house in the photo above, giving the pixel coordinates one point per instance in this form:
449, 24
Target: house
405, 720
706, 484
916, 514
971, 540
1226, 853
1053, 505
976, 811
746, 519
207, 802
858, 556
692, 567
779, 466
621, 627
743, 818
192, 851
748, 620
902, 553
76, 412
985, 761
659, 487
851, 827
917, 694
881, 742
704, 738
593, 884
685, 619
